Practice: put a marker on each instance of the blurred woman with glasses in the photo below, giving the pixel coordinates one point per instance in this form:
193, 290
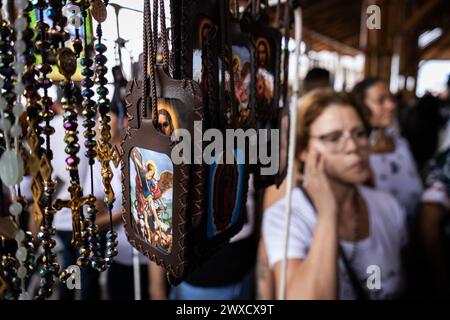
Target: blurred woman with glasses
345, 238
392, 164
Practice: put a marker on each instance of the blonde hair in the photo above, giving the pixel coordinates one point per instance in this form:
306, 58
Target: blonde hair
313, 104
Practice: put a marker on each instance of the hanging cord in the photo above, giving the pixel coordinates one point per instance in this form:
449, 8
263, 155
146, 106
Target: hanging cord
155, 28
211, 33
183, 42
278, 14
236, 9
164, 37
150, 58
173, 38
292, 142
159, 14
89, 101
253, 7
228, 53
46, 101
226, 58
145, 60
104, 110
286, 25
152, 43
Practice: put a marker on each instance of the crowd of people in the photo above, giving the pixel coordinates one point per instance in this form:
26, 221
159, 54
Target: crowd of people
372, 192
364, 203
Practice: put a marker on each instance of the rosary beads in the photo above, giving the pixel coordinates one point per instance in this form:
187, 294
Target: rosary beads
26, 61
89, 112
17, 207
50, 267
105, 152
11, 163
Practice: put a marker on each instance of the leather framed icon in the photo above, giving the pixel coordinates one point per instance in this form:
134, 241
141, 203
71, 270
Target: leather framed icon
267, 57
236, 72
161, 195
268, 63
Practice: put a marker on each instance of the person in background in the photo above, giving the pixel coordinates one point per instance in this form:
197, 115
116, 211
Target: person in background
339, 227
434, 226
229, 273
317, 78
444, 139
393, 167
422, 126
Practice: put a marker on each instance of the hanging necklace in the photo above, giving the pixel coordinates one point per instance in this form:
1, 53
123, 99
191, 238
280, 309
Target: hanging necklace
11, 163
17, 269
33, 83
90, 252
23, 240
89, 112
30, 94
227, 74
105, 152
29, 74
67, 64
37, 164
49, 267
34, 108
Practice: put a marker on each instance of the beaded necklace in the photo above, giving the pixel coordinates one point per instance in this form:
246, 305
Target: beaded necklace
23, 240
67, 64
89, 112
49, 267
105, 152
11, 162
33, 83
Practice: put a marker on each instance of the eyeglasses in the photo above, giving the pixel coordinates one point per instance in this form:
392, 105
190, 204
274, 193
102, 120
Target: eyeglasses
336, 141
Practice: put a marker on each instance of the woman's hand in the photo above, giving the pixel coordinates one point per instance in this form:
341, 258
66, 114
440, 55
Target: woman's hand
317, 184
315, 276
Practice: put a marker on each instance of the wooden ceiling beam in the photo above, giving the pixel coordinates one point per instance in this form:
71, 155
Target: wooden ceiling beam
319, 7
420, 13
436, 47
330, 42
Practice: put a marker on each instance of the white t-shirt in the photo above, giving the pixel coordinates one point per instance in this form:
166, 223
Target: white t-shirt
396, 173
387, 222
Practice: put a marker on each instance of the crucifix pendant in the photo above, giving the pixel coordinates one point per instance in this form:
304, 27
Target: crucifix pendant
105, 154
75, 204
